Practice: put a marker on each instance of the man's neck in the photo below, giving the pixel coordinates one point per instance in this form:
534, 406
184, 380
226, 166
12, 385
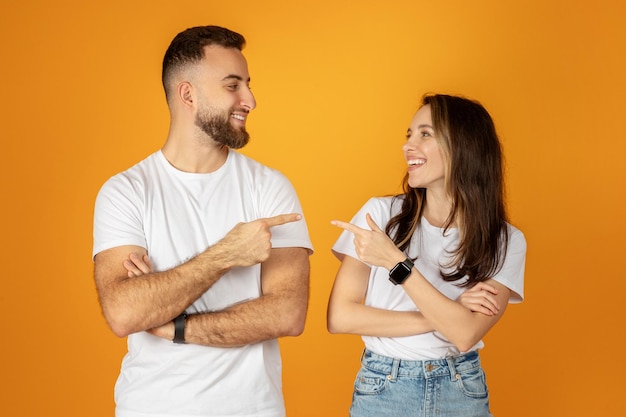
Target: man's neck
190, 154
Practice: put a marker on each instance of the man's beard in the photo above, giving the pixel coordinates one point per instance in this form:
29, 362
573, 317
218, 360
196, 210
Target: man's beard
219, 128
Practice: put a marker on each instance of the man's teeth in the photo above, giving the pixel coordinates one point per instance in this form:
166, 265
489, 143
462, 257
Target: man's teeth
238, 117
417, 162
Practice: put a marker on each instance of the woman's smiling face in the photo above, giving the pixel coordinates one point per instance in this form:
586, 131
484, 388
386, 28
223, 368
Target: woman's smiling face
426, 163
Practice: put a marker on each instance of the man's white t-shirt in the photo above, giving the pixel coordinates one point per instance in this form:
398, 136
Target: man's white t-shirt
431, 246
175, 216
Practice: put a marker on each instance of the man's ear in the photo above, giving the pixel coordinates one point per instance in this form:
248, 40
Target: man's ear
185, 93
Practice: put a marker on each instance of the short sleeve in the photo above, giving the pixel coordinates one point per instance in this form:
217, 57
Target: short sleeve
512, 273
278, 196
117, 216
379, 209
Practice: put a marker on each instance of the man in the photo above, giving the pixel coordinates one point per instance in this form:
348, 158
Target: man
218, 266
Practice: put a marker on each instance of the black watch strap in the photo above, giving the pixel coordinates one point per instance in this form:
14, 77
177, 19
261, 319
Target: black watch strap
179, 328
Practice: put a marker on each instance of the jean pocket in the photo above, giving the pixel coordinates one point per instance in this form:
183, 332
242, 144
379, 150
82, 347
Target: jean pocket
472, 383
369, 382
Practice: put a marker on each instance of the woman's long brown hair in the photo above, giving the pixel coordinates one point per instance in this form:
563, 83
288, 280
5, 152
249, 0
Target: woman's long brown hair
475, 185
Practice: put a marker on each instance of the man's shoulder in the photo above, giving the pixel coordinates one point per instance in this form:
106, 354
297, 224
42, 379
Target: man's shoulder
254, 167
140, 168
241, 159
139, 173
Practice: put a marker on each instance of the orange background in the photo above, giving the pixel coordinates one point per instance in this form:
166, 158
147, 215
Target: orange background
337, 84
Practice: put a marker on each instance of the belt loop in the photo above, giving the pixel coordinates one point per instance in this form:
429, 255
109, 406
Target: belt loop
453, 374
395, 366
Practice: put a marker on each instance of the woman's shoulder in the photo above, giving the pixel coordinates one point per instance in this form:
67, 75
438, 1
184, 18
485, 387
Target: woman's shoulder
381, 208
386, 202
516, 236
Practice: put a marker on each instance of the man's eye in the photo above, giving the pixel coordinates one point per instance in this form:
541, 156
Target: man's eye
233, 86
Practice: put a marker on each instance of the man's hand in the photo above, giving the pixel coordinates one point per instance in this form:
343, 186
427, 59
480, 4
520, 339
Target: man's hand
137, 265
249, 243
252, 240
165, 331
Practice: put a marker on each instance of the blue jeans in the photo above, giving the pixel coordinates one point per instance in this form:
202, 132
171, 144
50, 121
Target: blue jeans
388, 387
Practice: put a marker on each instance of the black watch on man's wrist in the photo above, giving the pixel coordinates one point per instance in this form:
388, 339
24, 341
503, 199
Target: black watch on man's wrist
179, 328
401, 272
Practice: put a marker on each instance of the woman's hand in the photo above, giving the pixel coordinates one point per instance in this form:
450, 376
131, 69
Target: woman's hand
373, 246
480, 299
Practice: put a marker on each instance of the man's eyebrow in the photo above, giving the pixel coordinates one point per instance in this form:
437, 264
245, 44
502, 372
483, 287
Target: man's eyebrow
234, 77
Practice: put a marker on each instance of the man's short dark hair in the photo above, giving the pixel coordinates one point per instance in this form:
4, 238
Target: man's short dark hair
188, 47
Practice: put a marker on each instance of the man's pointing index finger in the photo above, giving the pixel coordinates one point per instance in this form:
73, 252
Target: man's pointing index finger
282, 219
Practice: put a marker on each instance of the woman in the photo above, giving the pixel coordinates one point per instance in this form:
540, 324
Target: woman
424, 291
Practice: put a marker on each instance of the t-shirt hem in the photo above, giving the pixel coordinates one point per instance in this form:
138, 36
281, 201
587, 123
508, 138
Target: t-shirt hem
128, 413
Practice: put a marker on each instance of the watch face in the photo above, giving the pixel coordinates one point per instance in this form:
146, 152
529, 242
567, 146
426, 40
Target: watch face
399, 273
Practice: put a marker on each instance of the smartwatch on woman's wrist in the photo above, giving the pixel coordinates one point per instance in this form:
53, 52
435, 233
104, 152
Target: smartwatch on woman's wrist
401, 272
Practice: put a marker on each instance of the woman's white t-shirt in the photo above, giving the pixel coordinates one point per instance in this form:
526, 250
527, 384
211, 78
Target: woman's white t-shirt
432, 248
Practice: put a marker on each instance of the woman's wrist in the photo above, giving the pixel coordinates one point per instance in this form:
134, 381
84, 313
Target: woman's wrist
399, 257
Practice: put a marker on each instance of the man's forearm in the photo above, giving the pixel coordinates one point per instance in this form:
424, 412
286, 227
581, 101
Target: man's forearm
140, 303
246, 323
279, 311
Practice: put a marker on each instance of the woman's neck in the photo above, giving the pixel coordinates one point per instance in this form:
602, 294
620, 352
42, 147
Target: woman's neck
437, 209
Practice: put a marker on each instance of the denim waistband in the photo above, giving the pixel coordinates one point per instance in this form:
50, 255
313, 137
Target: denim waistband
452, 365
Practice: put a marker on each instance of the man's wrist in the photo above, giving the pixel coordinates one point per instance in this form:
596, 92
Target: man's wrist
218, 258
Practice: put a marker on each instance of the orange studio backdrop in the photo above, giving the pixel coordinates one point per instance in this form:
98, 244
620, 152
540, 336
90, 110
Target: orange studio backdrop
337, 84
